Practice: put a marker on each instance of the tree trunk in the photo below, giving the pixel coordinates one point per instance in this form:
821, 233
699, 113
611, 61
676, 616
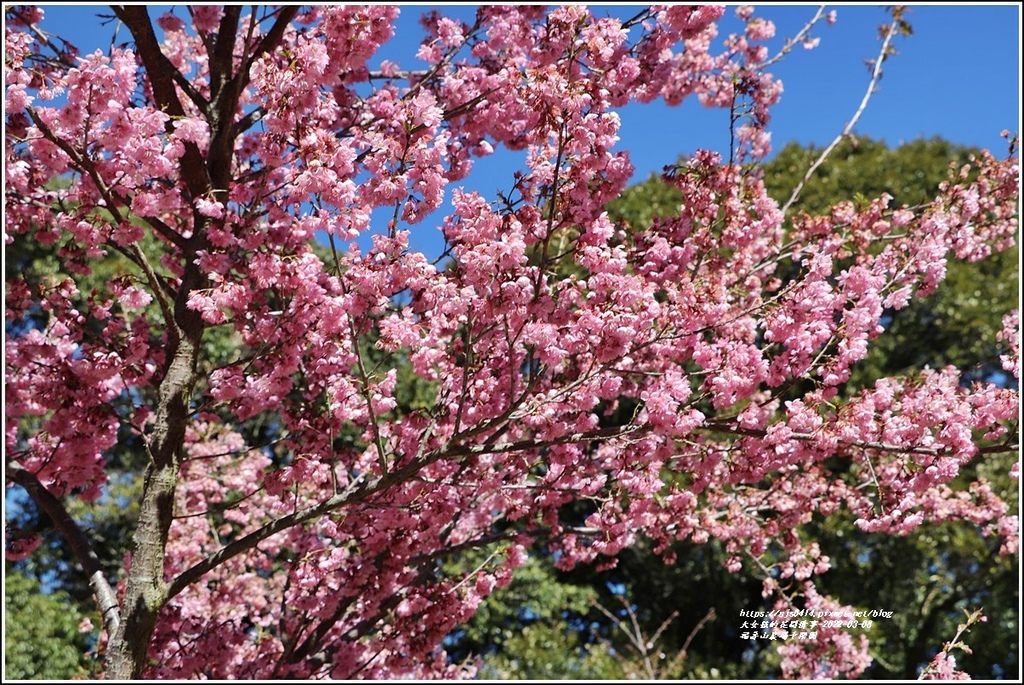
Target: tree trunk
146, 591
202, 176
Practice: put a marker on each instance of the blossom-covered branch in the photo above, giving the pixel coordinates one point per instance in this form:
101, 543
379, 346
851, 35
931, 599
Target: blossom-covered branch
325, 429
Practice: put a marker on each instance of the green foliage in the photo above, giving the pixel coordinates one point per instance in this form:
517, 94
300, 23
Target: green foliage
41, 636
638, 205
537, 597
693, 603
546, 652
911, 173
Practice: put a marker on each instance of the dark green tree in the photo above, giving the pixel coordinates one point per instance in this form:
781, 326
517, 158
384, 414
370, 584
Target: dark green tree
686, 616
42, 640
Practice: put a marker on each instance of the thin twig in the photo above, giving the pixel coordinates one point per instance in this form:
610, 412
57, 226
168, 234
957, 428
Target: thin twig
798, 38
876, 74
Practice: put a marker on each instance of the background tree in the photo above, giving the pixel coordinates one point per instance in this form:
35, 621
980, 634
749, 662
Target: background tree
42, 639
591, 386
952, 567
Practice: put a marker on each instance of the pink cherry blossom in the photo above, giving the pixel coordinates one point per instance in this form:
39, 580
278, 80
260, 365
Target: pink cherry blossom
298, 505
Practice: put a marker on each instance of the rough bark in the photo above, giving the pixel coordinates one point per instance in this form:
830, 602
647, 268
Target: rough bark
146, 591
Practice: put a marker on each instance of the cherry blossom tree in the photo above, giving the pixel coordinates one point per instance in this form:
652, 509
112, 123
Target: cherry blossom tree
295, 520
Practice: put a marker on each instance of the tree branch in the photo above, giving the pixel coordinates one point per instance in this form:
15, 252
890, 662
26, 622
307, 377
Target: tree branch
876, 74
161, 77
62, 56
133, 251
271, 38
383, 482
798, 38
106, 599
723, 427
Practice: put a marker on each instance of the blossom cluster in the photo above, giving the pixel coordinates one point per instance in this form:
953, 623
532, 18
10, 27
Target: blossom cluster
641, 370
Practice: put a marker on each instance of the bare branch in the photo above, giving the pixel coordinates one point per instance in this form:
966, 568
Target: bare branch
876, 74
798, 38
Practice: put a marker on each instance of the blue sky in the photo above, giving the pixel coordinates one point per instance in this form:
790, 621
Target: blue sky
957, 76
